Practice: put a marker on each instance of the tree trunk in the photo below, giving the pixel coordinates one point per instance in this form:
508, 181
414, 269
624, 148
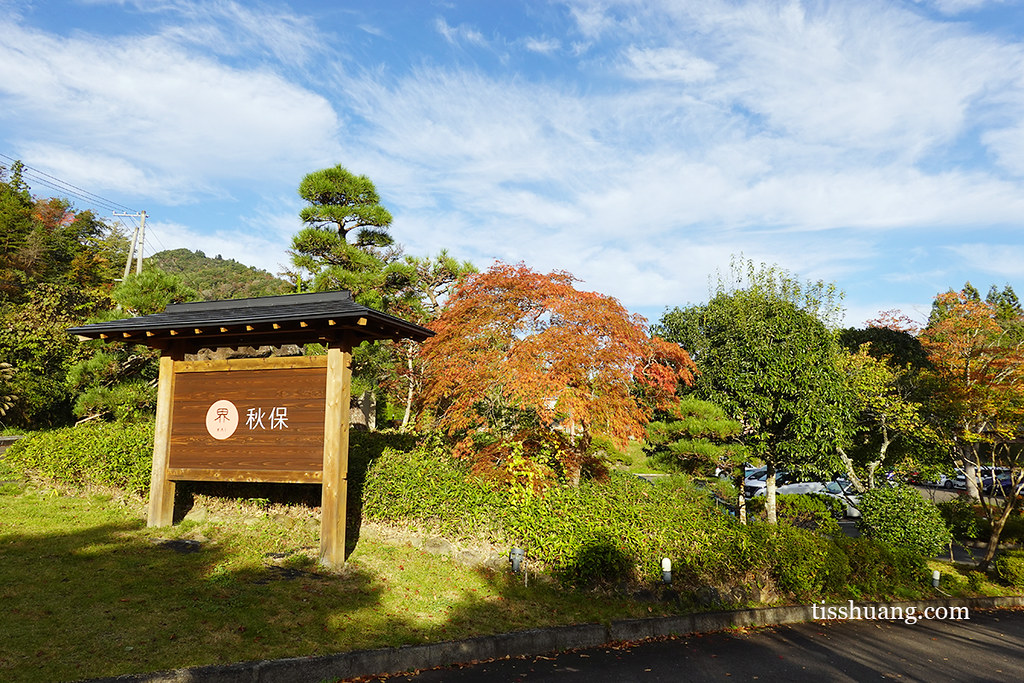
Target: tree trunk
993, 537
854, 479
769, 498
741, 500
871, 474
971, 472
410, 393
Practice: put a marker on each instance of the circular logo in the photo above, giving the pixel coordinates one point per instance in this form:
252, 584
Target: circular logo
222, 419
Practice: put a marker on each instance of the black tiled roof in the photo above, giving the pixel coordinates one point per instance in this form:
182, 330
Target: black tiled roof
314, 312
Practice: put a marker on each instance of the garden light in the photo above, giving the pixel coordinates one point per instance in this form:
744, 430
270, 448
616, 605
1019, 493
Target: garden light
666, 570
936, 576
516, 557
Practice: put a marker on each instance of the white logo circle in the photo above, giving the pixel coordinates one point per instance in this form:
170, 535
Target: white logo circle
222, 419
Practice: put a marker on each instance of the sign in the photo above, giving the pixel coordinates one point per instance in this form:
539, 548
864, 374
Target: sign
235, 423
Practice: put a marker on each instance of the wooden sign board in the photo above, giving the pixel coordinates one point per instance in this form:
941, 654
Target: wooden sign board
233, 422
256, 420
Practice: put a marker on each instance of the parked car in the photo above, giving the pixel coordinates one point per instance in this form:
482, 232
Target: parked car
748, 470
840, 490
948, 481
843, 490
999, 482
758, 481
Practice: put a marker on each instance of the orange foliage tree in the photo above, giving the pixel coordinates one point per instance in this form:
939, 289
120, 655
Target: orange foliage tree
978, 366
532, 342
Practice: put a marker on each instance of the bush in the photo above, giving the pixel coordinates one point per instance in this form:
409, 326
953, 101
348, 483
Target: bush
879, 569
620, 530
899, 516
961, 517
108, 454
806, 565
1013, 531
811, 512
1009, 565
120, 454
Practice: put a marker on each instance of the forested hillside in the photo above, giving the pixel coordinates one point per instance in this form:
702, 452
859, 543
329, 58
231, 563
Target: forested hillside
217, 277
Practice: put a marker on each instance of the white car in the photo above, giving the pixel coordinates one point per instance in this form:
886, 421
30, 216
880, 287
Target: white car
842, 491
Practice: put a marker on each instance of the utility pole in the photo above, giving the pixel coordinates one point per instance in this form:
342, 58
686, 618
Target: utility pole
138, 237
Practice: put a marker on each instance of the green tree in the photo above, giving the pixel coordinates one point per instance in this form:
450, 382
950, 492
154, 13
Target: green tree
151, 291
347, 246
35, 342
117, 380
44, 240
345, 202
765, 356
889, 426
369, 265
697, 436
433, 281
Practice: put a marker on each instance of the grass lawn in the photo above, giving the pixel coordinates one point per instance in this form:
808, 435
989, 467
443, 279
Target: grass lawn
86, 590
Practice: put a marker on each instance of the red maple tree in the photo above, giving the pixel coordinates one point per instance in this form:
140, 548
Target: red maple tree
532, 341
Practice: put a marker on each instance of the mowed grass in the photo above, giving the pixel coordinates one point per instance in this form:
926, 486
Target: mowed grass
86, 590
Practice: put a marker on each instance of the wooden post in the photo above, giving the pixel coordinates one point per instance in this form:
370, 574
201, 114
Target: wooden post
335, 476
161, 490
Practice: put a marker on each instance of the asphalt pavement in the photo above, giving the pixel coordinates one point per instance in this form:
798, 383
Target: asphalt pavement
988, 647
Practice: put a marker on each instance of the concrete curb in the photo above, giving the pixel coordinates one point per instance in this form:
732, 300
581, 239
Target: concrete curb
532, 642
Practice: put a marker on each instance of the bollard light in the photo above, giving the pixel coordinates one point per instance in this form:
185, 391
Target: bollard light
516, 556
666, 570
936, 576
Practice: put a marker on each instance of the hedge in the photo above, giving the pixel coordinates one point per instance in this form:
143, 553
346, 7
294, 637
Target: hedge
110, 454
606, 533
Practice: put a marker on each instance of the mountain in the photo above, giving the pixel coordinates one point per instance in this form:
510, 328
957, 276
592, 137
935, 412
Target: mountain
219, 278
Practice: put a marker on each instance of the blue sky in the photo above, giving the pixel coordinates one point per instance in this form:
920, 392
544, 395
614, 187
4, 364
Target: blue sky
637, 145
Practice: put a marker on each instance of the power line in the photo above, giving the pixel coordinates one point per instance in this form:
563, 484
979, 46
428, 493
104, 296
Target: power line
60, 185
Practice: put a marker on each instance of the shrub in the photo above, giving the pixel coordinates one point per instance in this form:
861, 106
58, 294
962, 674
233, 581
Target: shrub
961, 517
899, 516
1013, 531
814, 513
601, 559
620, 530
804, 564
120, 454
877, 568
1009, 565
108, 454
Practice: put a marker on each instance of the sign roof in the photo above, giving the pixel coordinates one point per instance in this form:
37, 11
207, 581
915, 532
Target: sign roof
321, 317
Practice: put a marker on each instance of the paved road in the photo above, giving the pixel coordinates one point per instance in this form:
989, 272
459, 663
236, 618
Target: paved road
989, 647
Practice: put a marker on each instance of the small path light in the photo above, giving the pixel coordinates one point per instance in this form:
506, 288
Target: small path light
936, 577
516, 557
666, 570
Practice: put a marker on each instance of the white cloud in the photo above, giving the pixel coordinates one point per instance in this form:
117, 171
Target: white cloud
148, 108
106, 173
230, 28
544, 46
668, 64
457, 34
1001, 260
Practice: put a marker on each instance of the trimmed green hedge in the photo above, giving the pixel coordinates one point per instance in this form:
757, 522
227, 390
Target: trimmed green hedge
110, 454
120, 454
605, 533
1009, 564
